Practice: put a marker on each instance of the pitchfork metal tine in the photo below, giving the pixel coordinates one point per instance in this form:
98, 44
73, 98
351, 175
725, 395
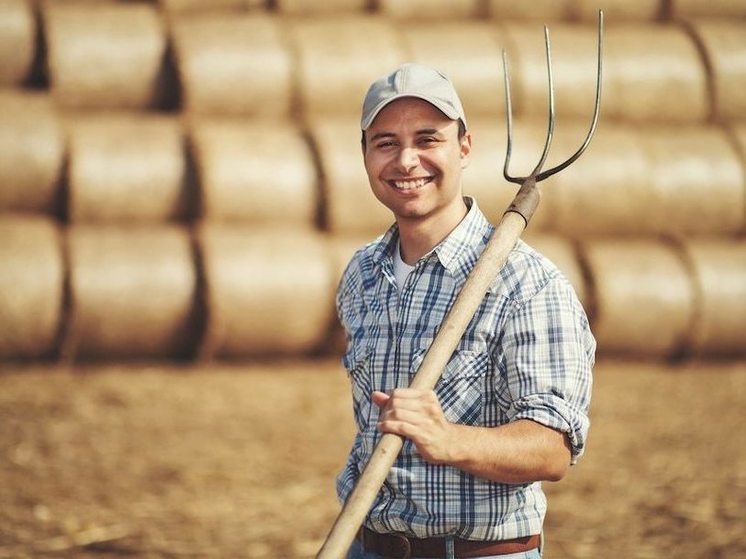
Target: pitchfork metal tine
536, 174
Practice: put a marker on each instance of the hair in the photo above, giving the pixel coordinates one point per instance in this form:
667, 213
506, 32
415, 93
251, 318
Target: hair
461, 133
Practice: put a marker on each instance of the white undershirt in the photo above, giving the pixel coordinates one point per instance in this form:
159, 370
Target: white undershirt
401, 269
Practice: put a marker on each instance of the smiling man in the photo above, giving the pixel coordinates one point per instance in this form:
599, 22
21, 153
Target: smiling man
511, 409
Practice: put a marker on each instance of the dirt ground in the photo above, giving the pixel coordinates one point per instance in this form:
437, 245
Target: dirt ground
237, 461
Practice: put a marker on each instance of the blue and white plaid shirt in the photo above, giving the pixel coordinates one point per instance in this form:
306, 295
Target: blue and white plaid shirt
527, 354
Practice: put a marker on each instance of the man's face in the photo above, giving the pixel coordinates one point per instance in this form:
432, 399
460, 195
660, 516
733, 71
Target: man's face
414, 157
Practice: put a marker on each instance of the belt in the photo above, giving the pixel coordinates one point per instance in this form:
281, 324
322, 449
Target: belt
398, 546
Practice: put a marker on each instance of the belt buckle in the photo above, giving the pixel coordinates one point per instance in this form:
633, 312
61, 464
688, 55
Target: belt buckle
405, 545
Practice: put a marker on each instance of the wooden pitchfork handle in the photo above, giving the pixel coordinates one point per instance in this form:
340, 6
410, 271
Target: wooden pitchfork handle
489, 264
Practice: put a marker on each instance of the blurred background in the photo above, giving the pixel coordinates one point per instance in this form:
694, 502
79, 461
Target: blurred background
181, 185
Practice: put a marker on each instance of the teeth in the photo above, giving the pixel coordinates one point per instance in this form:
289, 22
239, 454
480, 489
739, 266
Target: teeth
410, 184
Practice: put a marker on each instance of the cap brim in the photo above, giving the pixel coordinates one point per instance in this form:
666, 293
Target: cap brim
444, 108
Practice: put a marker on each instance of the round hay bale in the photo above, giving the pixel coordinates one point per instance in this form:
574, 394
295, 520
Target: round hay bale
233, 64
268, 291
126, 168
574, 50
719, 272
652, 73
316, 8
541, 10
255, 172
564, 255
430, 9
644, 297
468, 53
133, 292
697, 182
186, 6
336, 64
606, 191
17, 41
724, 45
617, 10
31, 287
711, 8
31, 152
105, 55
349, 205
483, 177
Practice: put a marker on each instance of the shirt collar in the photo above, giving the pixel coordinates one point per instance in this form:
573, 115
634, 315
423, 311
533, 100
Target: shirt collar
468, 237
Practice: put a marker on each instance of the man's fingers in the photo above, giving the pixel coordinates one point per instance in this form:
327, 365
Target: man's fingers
380, 398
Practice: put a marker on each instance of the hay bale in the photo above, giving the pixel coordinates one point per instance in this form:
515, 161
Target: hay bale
187, 6
539, 10
316, 8
31, 152
126, 168
430, 9
711, 8
17, 41
697, 182
255, 172
337, 62
31, 287
563, 254
644, 297
349, 206
468, 53
606, 191
719, 272
724, 46
233, 64
133, 292
268, 291
652, 73
105, 55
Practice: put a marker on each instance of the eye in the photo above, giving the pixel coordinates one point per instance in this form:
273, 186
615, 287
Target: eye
384, 145
428, 140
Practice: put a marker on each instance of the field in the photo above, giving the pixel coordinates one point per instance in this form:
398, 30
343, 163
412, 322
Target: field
238, 461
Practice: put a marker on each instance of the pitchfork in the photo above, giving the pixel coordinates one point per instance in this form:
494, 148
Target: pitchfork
490, 262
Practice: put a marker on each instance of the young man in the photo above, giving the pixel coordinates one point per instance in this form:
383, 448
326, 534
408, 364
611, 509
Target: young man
511, 407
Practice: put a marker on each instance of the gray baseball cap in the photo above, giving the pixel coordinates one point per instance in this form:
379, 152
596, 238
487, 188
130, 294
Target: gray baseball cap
412, 80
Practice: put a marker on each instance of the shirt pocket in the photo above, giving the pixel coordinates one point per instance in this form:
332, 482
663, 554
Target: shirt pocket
357, 361
463, 386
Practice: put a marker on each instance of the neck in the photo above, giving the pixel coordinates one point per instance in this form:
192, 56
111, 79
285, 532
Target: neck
418, 236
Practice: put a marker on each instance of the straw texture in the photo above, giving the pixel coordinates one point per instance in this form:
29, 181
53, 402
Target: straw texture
126, 168
719, 270
133, 292
724, 44
653, 73
617, 10
541, 10
644, 297
316, 8
349, 204
697, 181
336, 60
711, 8
468, 53
31, 287
17, 41
31, 152
233, 64
255, 173
429, 8
185, 6
268, 292
105, 55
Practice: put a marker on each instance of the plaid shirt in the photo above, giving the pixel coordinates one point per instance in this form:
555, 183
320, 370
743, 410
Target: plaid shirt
527, 354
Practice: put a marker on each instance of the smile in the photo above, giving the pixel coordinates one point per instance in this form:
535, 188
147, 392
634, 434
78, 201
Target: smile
409, 184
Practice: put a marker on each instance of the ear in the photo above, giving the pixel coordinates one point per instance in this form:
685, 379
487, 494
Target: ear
465, 148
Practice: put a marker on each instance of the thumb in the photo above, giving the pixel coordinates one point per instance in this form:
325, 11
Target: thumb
380, 399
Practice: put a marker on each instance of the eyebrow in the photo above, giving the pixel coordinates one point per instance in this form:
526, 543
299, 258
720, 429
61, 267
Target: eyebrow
421, 132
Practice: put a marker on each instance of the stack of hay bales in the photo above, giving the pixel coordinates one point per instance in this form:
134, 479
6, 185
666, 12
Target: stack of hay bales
183, 178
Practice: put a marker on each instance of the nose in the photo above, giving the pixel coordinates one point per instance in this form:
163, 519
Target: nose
408, 158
